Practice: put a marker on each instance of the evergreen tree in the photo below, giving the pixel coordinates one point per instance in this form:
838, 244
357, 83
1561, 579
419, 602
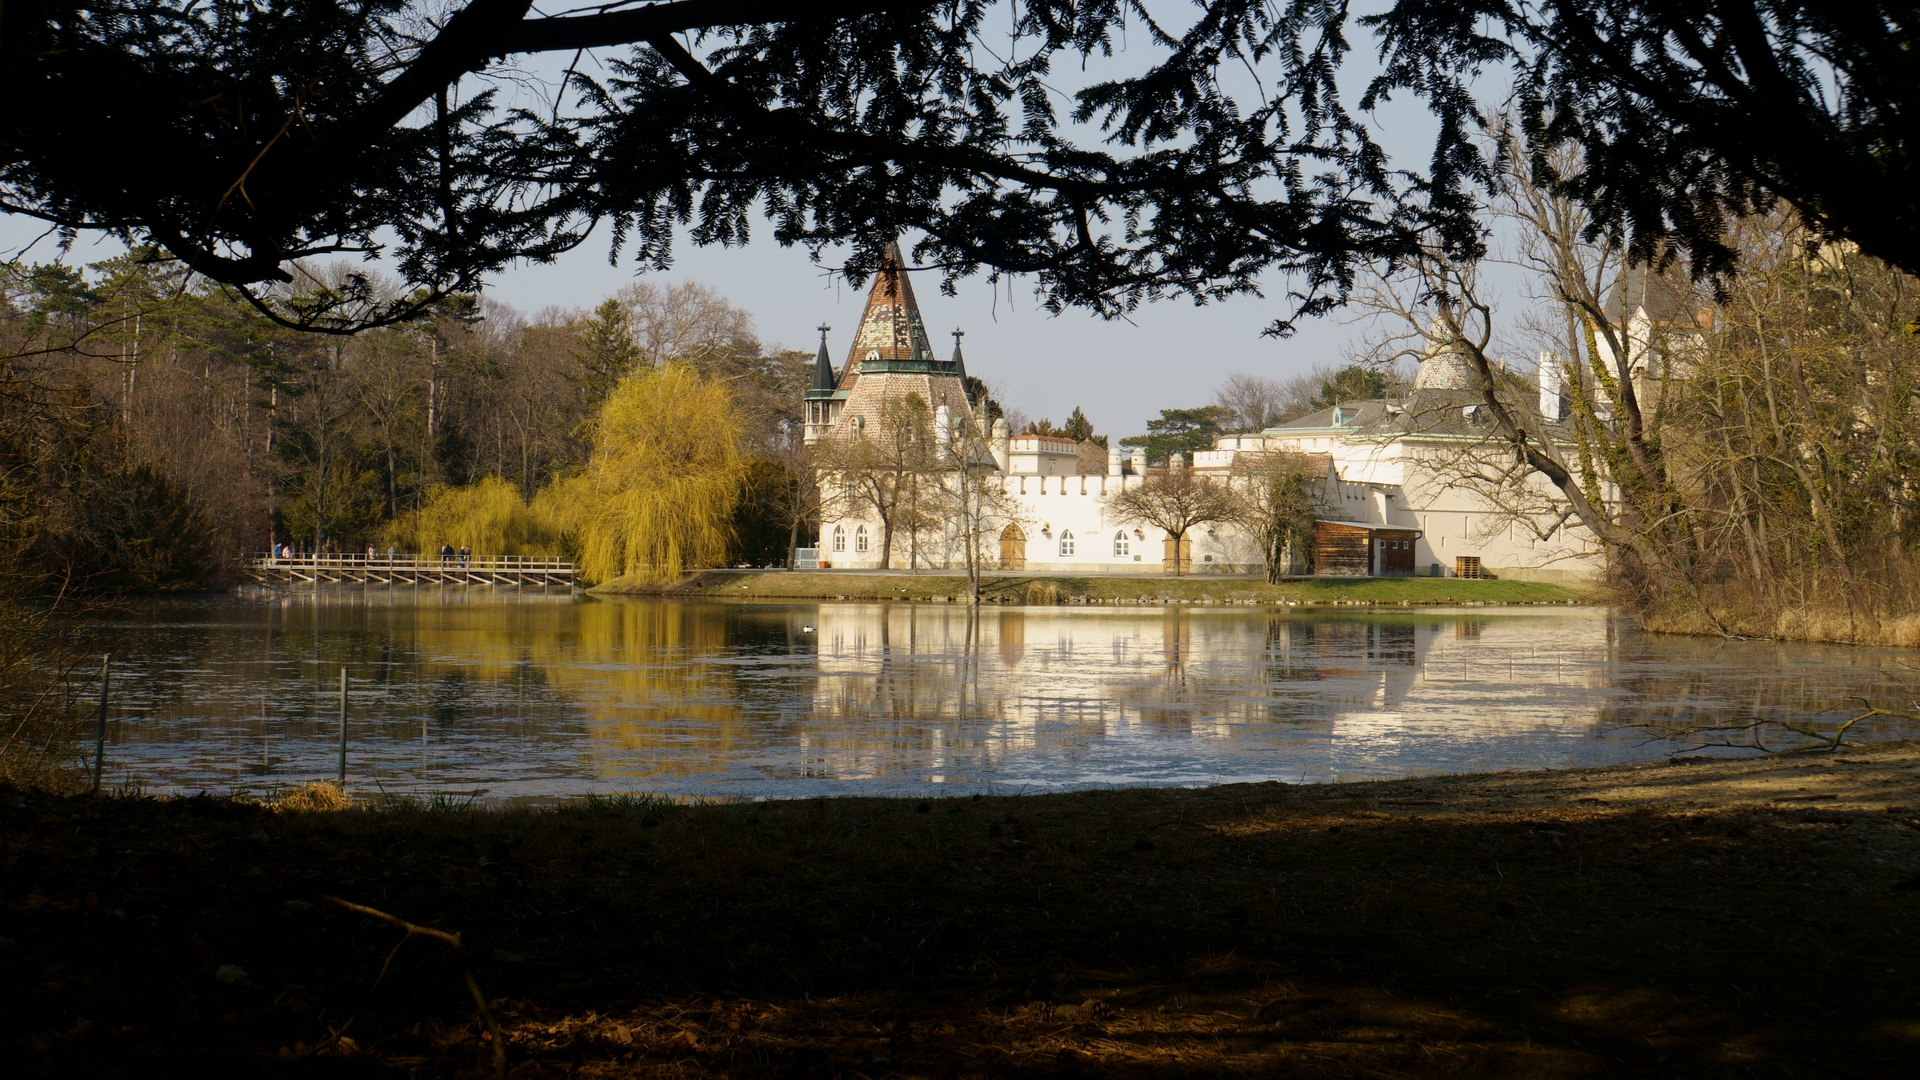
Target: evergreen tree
1352, 383
1179, 431
607, 351
1080, 429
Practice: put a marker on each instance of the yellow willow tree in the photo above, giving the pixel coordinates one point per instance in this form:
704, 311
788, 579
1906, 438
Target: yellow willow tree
488, 516
656, 497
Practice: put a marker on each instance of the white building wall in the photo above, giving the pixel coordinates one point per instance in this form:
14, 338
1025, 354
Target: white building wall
1395, 482
1048, 510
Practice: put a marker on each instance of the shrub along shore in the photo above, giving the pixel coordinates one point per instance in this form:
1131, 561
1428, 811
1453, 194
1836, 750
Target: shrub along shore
1066, 589
1731, 918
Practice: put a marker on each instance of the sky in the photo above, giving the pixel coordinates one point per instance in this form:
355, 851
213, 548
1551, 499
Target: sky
1169, 354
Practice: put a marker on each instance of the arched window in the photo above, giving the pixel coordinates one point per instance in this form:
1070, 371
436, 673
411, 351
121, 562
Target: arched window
1120, 545
860, 538
839, 538
1066, 542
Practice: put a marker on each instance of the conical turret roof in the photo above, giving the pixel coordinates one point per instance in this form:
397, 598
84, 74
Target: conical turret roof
822, 384
891, 331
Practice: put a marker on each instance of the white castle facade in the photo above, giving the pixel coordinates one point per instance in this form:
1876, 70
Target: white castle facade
1416, 480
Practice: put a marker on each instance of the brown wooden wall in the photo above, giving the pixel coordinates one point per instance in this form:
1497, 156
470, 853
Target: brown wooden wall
1341, 550
1347, 550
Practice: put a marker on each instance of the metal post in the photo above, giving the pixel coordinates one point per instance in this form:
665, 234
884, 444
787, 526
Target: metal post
343, 728
100, 732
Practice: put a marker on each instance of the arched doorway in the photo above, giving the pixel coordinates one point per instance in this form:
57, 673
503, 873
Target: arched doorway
1013, 549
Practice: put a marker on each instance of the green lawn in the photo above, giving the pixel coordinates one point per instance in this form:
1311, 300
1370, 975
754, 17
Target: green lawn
1052, 589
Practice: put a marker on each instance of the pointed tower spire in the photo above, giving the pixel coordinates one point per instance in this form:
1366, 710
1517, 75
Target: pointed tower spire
959, 364
822, 383
891, 334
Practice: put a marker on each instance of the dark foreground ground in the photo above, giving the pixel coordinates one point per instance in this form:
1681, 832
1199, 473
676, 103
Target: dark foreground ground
1757, 919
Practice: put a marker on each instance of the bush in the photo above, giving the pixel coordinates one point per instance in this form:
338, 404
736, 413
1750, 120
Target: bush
138, 532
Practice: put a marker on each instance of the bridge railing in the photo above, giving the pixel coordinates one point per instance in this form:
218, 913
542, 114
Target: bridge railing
403, 561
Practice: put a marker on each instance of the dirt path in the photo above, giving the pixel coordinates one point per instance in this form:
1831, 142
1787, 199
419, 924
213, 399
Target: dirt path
1736, 918
1874, 780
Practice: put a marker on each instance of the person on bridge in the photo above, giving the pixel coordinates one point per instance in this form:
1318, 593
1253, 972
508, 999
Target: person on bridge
465, 553
446, 554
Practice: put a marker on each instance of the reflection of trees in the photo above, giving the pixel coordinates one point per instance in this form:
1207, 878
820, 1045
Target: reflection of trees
1663, 680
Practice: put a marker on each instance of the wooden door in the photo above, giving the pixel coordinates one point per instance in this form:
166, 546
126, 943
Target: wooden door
1397, 557
1177, 562
1013, 549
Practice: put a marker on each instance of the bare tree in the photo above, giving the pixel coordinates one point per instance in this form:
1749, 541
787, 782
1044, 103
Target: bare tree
970, 497
1278, 507
1175, 500
881, 466
1604, 464
686, 320
1252, 403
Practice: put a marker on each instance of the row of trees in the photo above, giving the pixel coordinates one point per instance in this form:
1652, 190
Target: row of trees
156, 429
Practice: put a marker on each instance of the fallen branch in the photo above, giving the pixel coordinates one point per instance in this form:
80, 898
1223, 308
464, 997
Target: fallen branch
460, 948
1821, 739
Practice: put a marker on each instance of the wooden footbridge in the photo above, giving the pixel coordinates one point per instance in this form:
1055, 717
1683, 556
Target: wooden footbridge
412, 571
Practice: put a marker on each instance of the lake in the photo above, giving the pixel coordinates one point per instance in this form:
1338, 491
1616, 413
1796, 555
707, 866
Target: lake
467, 695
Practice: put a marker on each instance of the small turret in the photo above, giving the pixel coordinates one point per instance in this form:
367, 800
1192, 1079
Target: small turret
1139, 461
959, 364
1114, 466
1002, 444
823, 395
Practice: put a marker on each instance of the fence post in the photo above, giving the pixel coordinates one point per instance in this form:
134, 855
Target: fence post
100, 731
343, 728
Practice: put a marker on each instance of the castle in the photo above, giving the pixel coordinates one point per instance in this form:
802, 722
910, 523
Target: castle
1401, 487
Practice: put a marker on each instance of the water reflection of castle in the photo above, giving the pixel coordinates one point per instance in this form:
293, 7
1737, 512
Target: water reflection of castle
964, 690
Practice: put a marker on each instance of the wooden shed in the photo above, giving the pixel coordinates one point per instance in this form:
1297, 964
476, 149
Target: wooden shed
1362, 549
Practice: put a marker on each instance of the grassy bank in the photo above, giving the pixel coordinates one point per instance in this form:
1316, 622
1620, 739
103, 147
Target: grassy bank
1749, 919
1814, 625
1053, 589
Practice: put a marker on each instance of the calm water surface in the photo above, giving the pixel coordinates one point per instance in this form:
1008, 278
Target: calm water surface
459, 693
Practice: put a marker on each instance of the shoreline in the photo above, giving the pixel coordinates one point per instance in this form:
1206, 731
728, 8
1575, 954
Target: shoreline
1642, 918
1056, 589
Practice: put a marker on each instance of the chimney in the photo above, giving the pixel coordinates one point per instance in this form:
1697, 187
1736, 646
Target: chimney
1550, 375
942, 432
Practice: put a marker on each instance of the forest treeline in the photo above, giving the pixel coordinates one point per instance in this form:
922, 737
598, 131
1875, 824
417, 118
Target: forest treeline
156, 430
